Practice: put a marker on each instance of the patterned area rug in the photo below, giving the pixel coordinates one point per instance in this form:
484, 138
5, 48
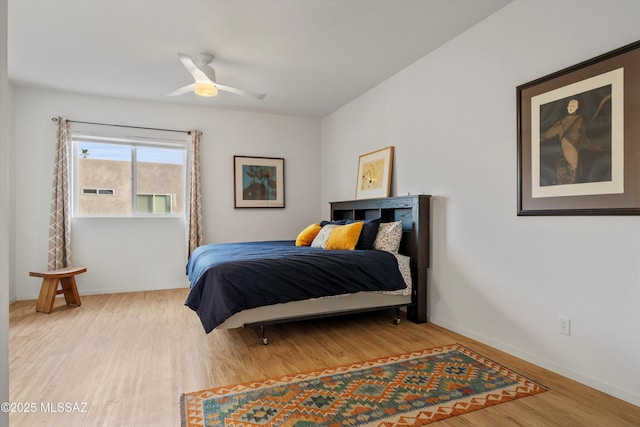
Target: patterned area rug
411, 389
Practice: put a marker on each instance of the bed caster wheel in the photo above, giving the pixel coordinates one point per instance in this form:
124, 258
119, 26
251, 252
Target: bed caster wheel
263, 335
396, 321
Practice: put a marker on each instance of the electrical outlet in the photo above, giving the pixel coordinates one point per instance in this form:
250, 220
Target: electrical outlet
564, 325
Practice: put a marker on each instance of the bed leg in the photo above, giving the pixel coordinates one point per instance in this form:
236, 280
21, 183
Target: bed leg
263, 335
396, 320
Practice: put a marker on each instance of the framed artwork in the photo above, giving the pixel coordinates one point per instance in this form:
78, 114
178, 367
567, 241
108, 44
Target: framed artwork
579, 138
258, 182
374, 174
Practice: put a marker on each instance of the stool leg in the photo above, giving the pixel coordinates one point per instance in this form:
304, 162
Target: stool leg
47, 295
70, 290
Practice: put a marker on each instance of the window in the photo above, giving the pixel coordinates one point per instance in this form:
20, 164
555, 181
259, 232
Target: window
116, 177
100, 191
154, 203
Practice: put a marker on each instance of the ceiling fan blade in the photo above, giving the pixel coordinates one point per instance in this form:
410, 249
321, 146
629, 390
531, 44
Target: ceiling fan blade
188, 63
240, 91
208, 71
183, 89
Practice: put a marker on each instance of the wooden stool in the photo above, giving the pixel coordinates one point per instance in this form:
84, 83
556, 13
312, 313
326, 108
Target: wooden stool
49, 288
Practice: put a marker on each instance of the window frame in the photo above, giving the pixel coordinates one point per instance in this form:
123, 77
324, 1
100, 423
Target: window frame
133, 143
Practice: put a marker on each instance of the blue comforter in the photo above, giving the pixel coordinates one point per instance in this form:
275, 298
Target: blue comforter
230, 277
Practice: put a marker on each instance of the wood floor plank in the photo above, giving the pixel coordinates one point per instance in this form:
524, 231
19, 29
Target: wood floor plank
130, 356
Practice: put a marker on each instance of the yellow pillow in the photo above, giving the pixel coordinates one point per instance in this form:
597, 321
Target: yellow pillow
307, 235
344, 237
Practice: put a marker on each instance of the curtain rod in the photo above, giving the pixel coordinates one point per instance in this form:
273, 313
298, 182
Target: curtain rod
188, 132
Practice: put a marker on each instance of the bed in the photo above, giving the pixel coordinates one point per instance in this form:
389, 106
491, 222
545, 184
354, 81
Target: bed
256, 284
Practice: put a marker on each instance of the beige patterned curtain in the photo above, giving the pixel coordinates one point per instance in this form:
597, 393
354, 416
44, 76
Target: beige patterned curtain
194, 206
59, 220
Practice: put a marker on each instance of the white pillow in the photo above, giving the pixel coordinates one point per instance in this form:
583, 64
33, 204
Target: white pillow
321, 239
388, 237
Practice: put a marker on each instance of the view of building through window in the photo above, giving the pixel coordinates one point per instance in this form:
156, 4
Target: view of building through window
128, 179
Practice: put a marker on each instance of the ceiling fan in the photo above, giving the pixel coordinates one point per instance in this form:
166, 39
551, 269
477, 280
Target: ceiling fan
205, 78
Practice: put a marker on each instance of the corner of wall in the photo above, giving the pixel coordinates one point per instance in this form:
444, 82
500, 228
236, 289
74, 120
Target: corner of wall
5, 216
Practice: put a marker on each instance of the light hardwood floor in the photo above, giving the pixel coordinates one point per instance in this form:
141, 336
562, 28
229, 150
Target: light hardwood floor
130, 356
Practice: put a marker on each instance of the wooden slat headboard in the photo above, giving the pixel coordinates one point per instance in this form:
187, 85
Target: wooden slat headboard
413, 211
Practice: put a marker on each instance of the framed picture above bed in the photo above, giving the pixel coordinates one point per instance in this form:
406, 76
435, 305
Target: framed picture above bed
374, 174
258, 182
578, 136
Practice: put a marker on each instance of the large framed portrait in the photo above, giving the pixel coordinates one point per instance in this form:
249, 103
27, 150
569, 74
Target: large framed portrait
258, 182
374, 174
579, 138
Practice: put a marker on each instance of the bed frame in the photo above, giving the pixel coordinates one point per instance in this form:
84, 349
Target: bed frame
413, 211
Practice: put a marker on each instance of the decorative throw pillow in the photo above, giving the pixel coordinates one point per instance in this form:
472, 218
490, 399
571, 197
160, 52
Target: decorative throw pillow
321, 239
307, 235
368, 234
388, 237
344, 237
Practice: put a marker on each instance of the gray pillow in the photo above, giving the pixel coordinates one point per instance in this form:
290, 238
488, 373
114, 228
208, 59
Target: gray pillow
321, 239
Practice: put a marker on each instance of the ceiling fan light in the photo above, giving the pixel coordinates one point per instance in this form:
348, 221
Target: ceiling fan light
205, 89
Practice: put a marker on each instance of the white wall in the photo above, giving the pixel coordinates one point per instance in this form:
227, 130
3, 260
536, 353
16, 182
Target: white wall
5, 215
496, 277
142, 254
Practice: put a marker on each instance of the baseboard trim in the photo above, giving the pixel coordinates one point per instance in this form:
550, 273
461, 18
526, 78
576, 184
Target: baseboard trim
84, 292
580, 377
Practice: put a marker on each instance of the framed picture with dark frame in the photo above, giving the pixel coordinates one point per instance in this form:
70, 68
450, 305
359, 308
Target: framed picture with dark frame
258, 182
579, 138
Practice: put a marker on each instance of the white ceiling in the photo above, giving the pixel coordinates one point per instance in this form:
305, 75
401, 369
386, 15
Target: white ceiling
309, 56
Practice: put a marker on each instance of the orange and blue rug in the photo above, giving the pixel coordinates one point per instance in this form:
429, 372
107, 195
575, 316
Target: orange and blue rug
411, 389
